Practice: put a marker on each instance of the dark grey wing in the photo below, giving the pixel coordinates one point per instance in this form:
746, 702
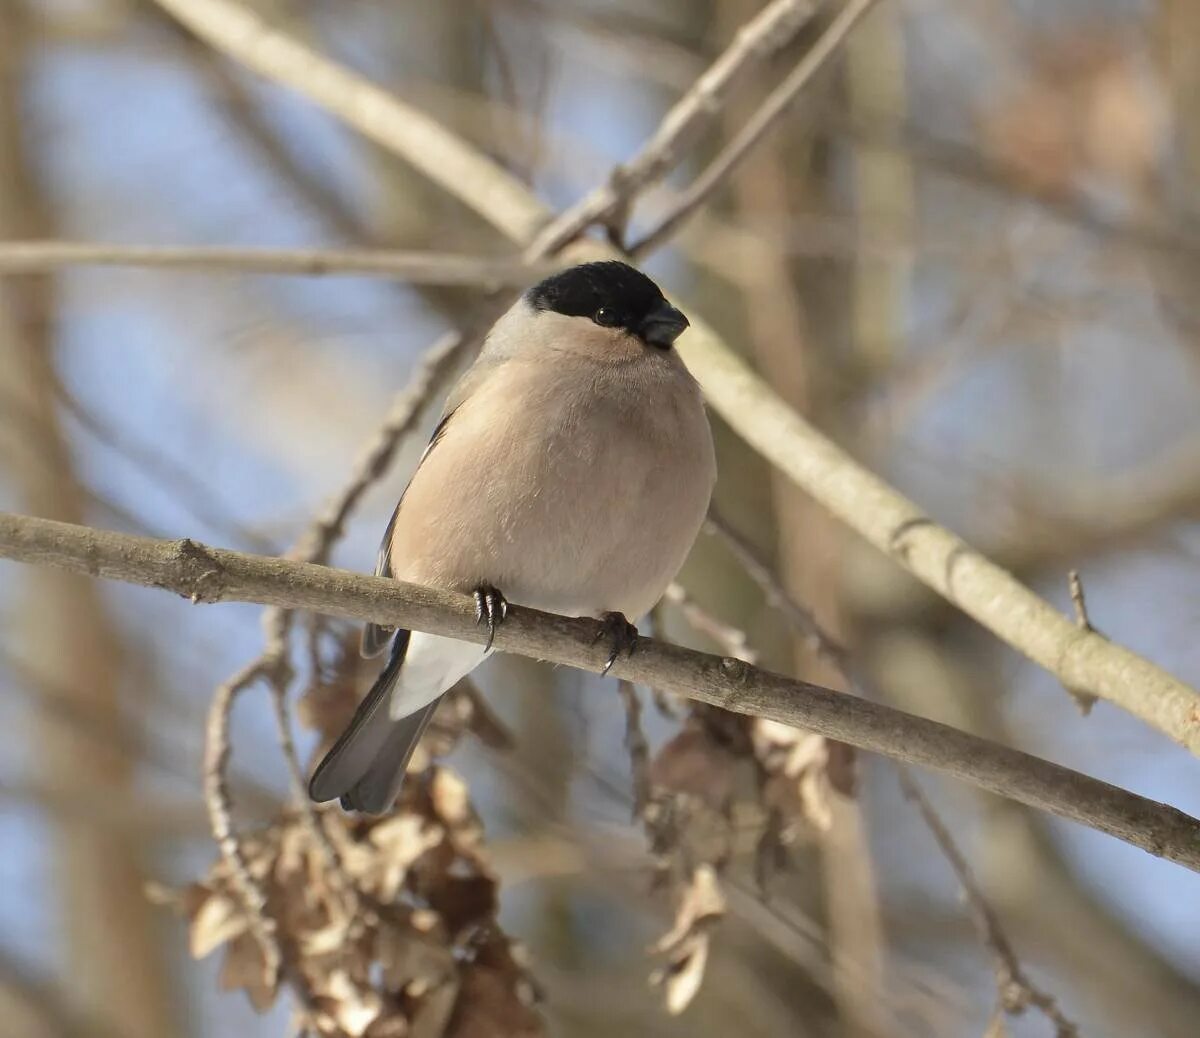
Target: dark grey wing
376, 791
365, 767
375, 636
365, 736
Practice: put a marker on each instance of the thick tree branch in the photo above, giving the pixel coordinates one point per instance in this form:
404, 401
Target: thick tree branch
1082, 660
207, 574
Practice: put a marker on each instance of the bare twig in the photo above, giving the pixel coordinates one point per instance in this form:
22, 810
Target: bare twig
1083, 700
220, 808
377, 456
662, 702
732, 640
767, 32
206, 574
816, 638
1016, 991
420, 268
755, 128
1078, 601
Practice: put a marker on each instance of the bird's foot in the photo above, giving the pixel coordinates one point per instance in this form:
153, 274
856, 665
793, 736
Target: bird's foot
621, 634
490, 607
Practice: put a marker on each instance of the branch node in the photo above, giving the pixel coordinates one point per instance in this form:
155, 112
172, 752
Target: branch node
201, 575
1078, 600
1083, 700
735, 669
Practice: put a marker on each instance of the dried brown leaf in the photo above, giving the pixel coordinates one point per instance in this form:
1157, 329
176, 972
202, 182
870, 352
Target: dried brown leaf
328, 938
432, 1014
489, 1007
798, 763
413, 960
682, 976
451, 799
351, 1006
219, 919
461, 901
700, 903
243, 967
692, 763
393, 846
186, 900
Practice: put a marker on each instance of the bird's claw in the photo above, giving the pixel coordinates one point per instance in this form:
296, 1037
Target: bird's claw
492, 607
621, 634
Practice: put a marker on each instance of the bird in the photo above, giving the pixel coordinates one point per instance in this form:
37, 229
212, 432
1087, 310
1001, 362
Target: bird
571, 471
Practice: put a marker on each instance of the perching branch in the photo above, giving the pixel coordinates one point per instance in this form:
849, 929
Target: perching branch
206, 574
1016, 991
1082, 660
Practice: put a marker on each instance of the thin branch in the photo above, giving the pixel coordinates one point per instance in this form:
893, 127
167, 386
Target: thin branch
206, 574
220, 816
1015, 989
418, 268
731, 640
435, 368
771, 29
1078, 601
756, 127
816, 639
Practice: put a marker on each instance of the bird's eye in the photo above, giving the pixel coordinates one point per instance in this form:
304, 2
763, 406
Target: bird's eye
606, 316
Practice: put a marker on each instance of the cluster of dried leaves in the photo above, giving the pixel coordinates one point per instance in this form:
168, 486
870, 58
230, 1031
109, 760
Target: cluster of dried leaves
725, 785
387, 924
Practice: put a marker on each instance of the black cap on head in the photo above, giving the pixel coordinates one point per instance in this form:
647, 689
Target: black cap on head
612, 294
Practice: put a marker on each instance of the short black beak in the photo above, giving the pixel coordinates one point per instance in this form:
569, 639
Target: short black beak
662, 326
